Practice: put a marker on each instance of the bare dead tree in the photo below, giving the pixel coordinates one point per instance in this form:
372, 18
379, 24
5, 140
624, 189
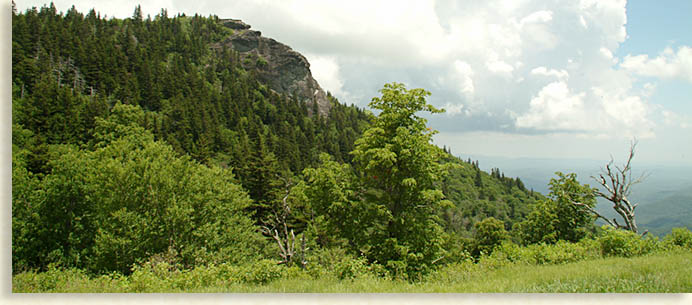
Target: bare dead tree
617, 182
285, 238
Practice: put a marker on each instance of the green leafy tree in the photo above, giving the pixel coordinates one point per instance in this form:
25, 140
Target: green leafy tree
26, 198
489, 234
558, 218
328, 189
126, 200
152, 201
399, 170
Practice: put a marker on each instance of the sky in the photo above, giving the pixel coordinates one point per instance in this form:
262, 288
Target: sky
518, 78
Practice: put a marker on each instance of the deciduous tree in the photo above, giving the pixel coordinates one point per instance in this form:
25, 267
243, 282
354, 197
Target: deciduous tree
399, 170
558, 218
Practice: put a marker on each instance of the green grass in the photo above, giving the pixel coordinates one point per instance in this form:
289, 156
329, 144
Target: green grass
661, 272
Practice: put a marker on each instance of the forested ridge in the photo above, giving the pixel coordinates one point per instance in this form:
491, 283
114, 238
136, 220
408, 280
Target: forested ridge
137, 143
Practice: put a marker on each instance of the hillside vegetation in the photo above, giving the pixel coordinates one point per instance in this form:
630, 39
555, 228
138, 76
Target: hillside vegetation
545, 269
147, 158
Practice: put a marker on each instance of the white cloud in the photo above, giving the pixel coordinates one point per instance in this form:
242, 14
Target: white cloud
607, 54
607, 19
325, 70
582, 21
561, 74
464, 74
648, 89
453, 109
669, 64
627, 115
676, 120
535, 31
600, 114
500, 67
556, 108
542, 16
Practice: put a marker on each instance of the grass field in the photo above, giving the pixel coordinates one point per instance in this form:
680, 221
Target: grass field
662, 272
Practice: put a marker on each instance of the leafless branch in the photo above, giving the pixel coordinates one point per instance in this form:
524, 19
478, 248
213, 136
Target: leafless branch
285, 237
617, 182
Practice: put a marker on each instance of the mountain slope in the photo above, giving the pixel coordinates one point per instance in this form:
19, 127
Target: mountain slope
276, 64
671, 211
477, 195
199, 94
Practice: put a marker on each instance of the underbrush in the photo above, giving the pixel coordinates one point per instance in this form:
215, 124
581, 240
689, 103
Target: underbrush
615, 261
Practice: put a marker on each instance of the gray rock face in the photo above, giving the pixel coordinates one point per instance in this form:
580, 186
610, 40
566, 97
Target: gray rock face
278, 66
235, 24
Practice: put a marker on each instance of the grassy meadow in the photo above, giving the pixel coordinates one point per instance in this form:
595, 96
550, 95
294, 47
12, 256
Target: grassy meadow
659, 272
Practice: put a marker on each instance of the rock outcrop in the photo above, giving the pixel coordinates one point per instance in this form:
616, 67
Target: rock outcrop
278, 66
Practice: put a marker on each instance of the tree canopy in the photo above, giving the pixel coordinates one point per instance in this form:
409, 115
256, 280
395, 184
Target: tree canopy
557, 217
399, 171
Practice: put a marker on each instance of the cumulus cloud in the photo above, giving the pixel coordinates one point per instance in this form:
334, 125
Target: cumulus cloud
626, 114
556, 108
464, 77
668, 65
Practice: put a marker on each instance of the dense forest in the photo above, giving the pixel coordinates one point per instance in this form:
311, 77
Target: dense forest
136, 142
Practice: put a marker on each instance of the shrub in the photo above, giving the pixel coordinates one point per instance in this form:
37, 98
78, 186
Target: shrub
489, 234
351, 268
625, 243
681, 237
511, 252
261, 272
458, 249
505, 254
152, 277
560, 253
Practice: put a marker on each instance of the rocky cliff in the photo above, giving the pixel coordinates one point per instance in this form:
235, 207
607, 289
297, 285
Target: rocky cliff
278, 66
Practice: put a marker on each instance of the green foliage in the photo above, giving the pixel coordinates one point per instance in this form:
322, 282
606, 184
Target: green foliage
497, 196
337, 263
681, 237
133, 198
666, 272
127, 134
168, 202
261, 62
69, 69
261, 272
489, 234
625, 243
559, 267
561, 252
399, 169
352, 268
458, 249
26, 195
149, 108
328, 190
559, 218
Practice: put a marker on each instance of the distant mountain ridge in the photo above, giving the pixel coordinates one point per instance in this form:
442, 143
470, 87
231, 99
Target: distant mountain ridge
664, 197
